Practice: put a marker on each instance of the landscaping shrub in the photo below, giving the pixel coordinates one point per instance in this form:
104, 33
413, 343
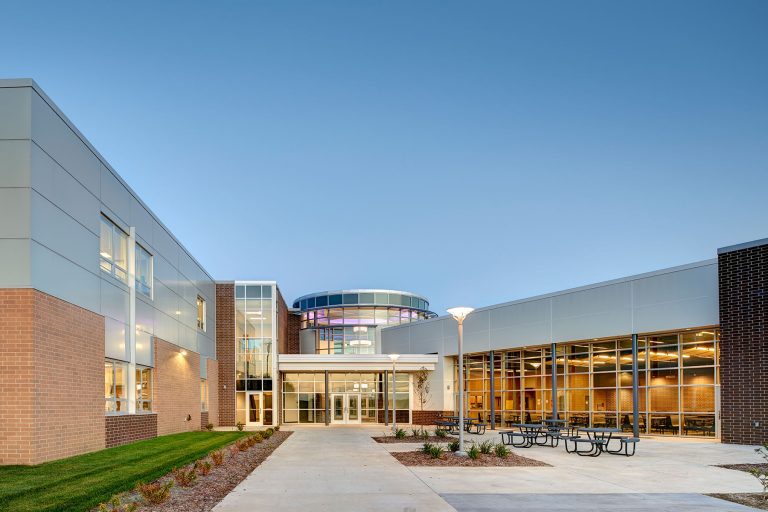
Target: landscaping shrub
426, 447
762, 473
270, 431
436, 451
184, 477
454, 445
114, 505
441, 433
257, 437
203, 467
217, 457
501, 451
486, 447
420, 432
209, 427
233, 449
473, 452
240, 426
155, 492
400, 434
243, 445
277, 427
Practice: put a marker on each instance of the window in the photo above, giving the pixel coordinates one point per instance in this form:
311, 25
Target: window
113, 249
203, 395
143, 271
200, 313
115, 387
143, 389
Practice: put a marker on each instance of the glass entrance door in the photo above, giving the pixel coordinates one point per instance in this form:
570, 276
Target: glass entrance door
345, 408
255, 409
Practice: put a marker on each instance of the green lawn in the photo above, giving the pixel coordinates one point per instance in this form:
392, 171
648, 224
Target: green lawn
82, 482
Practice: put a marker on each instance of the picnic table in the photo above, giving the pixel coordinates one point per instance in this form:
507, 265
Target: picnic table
598, 440
527, 432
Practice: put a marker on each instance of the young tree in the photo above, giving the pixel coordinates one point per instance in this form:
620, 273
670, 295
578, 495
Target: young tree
422, 386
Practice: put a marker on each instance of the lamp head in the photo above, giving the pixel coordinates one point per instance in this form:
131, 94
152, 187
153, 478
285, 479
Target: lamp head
460, 313
394, 357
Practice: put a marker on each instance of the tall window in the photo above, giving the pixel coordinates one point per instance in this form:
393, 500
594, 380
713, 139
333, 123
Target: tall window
143, 389
200, 313
113, 249
115, 387
203, 395
143, 271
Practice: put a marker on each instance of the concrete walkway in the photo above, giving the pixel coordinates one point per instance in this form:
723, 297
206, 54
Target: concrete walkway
342, 468
332, 469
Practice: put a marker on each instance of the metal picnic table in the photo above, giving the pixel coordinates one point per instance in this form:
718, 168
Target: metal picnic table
597, 439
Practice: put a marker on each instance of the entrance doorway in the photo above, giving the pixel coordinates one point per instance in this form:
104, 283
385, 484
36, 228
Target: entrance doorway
255, 412
345, 408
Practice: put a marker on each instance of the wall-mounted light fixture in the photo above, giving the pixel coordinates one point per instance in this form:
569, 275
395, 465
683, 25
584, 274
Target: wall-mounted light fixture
183, 352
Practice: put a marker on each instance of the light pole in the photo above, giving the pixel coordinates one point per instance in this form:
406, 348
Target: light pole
394, 358
459, 314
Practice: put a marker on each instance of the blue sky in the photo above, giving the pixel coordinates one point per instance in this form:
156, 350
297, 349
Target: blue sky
474, 152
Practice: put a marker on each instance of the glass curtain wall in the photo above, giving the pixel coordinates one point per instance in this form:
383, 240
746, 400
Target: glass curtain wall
304, 395
678, 383
254, 350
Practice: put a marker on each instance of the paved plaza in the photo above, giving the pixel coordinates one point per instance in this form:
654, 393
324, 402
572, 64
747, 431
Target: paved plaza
342, 468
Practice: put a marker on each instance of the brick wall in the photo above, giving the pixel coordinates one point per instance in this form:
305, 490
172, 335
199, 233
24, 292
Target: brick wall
213, 392
177, 389
204, 419
225, 351
743, 283
123, 429
51, 378
428, 417
294, 323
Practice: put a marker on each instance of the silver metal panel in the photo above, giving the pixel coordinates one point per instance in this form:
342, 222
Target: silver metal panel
115, 339
141, 219
166, 301
145, 315
114, 301
15, 208
166, 246
166, 327
15, 263
57, 139
525, 324
14, 163
144, 349
592, 313
476, 331
115, 195
51, 181
61, 278
307, 341
165, 273
63, 234
15, 122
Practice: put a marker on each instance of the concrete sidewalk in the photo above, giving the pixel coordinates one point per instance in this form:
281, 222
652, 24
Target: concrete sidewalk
332, 469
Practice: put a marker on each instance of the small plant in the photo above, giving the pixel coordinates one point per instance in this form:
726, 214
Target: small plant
257, 437
217, 457
441, 433
243, 445
400, 434
240, 426
155, 492
114, 505
184, 477
501, 451
761, 473
454, 445
203, 467
426, 447
436, 451
277, 428
270, 431
209, 427
233, 449
486, 447
473, 452
420, 432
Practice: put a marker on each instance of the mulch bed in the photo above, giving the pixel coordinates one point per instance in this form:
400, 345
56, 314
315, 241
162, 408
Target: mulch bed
207, 491
450, 459
411, 439
750, 499
744, 467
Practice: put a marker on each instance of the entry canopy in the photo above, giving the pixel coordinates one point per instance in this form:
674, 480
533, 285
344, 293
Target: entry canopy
354, 362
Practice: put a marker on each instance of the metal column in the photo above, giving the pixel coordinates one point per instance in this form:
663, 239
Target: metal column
635, 391
327, 401
554, 381
386, 400
493, 392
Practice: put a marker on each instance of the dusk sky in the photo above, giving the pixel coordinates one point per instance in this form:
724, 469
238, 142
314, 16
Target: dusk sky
472, 152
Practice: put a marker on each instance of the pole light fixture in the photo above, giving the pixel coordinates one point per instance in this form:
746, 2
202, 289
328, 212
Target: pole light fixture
394, 358
459, 314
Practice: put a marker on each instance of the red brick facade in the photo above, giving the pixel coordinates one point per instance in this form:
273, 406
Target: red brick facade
51, 377
212, 369
177, 388
225, 351
428, 417
743, 283
128, 428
